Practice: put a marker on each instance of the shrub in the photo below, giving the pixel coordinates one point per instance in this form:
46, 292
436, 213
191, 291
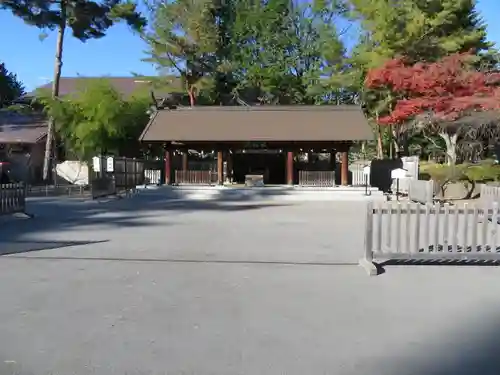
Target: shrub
469, 174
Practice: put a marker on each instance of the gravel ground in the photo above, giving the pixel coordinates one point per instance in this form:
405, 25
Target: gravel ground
148, 286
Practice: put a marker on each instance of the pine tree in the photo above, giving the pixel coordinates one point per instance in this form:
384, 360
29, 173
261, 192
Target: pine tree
183, 39
10, 86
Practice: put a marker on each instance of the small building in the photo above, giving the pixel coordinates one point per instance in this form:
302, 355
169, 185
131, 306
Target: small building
22, 143
283, 131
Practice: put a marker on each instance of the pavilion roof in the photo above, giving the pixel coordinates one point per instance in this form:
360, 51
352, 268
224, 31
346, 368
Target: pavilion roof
259, 123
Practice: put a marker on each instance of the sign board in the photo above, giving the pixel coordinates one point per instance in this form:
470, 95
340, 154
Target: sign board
398, 173
110, 164
96, 163
366, 170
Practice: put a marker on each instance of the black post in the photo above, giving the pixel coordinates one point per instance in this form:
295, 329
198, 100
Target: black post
397, 189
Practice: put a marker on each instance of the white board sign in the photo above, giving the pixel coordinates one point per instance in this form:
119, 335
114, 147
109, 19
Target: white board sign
398, 173
366, 170
110, 164
96, 163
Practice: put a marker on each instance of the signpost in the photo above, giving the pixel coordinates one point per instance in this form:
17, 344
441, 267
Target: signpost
366, 173
110, 164
96, 163
398, 173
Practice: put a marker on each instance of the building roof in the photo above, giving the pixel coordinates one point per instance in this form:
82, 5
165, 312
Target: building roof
124, 85
259, 123
16, 127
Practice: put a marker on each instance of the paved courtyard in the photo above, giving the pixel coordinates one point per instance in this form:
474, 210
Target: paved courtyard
149, 286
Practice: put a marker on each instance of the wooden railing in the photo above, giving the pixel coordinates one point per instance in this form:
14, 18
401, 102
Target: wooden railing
421, 191
317, 178
410, 231
195, 177
12, 198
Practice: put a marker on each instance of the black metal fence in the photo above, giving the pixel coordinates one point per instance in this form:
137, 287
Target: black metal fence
114, 175
12, 198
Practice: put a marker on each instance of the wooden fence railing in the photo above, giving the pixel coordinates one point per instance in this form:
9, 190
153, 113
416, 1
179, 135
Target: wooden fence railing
190, 177
12, 198
410, 231
317, 178
421, 191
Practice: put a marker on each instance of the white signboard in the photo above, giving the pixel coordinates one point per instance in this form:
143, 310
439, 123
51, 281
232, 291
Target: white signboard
366, 170
96, 163
110, 164
398, 173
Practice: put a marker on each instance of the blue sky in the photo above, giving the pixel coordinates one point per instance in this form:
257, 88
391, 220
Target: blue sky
117, 54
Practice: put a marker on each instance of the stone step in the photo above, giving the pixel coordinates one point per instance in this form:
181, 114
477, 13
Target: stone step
274, 194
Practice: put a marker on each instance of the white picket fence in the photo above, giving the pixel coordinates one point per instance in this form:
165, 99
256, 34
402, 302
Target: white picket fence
489, 194
411, 165
152, 176
412, 232
358, 177
421, 191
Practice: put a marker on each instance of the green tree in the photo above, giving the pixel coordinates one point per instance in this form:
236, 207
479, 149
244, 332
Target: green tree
183, 40
10, 86
285, 49
98, 119
86, 19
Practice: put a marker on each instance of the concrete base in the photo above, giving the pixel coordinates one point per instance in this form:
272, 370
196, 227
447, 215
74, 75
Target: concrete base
370, 267
275, 193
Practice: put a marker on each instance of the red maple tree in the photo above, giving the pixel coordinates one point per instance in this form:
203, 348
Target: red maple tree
447, 90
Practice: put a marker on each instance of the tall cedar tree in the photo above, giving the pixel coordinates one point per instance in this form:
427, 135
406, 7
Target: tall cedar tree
421, 30
448, 97
271, 52
86, 19
10, 87
285, 49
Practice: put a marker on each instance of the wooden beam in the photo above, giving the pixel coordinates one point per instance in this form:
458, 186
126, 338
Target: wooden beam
168, 166
289, 168
229, 160
344, 168
220, 167
185, 160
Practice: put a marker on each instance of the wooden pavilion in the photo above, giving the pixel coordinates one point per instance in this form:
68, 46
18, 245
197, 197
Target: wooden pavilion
288, 129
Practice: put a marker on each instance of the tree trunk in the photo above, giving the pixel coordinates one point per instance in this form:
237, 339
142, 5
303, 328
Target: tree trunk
451, 147
192, 99
395, 142
391, 136
47, 160
380, 147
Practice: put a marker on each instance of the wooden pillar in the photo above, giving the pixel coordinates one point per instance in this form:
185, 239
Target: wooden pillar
289, 168
185, 160
229, 160
344, 171
220, 168
168, 166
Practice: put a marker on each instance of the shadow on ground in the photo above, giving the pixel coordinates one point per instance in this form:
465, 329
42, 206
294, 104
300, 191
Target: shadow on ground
63, 213
17, 247
466, 351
